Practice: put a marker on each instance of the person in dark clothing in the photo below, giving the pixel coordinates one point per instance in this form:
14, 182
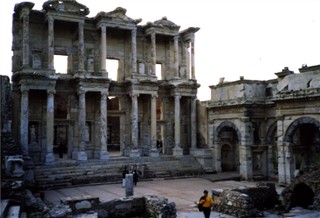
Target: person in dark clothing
135, 177
124, 172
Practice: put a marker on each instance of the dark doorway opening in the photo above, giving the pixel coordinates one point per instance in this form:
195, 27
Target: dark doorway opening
227, 158
302, 196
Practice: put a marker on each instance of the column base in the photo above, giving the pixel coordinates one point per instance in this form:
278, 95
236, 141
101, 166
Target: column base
102, 155
177, 151
154, 152
134, 153
50, 158
82, 156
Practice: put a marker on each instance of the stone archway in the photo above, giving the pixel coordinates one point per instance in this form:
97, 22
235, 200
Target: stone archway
227, 137
302, 196
271, 141
304, 137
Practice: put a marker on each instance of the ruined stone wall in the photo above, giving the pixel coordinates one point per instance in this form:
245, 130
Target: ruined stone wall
268, 116
6, 104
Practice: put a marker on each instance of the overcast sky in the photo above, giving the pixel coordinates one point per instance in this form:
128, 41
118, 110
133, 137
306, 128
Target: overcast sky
254, 39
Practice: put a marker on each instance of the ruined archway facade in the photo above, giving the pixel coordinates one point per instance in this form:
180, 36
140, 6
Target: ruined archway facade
277, 123
301, 147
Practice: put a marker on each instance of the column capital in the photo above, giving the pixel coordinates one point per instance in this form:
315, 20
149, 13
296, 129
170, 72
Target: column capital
154, 96
50, 19
103, 28
104, 93
24, 90
177, 96
81, 23
81, 91
134, 95
51, 92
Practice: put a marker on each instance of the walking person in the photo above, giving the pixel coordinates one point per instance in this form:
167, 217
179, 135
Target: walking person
206, 203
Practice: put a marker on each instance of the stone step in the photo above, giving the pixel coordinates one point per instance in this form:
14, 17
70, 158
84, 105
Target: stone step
74, 173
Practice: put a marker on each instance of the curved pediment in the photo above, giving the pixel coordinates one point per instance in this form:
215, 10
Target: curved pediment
164, 23
117, 15
66, 6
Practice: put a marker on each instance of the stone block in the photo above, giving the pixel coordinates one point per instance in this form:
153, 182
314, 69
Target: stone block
14, 166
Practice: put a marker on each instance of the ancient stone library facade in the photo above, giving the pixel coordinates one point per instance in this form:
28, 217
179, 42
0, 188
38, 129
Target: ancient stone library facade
150, 108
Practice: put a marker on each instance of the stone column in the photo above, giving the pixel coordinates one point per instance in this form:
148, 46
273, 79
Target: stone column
82, 155
50, 127
134, 126
103, 49
270, 161
80, 47
289, 162
24, 122
193, 73
177, 151
176, 56
187, 57
193, 123
154, 151
217, 157
153, 53
245, 148
134, 50
281, 152
103, 153
25, 38
50, 43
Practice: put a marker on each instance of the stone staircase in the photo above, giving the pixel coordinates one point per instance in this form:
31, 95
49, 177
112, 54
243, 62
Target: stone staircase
68, 173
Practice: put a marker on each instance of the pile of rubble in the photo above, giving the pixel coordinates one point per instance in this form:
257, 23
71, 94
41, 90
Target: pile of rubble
247, 201
304, 191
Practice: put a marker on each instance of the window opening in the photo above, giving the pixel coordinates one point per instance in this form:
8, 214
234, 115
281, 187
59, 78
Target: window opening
159, 71
61, 63
112, 69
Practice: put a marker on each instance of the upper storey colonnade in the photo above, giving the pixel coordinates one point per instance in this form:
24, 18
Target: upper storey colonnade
75, 14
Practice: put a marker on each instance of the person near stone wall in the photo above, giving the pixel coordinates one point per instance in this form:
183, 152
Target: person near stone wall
206, 202
124, 172
135, 177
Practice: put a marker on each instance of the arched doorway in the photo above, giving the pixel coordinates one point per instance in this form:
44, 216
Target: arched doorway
302, 196
304, 135
229, 140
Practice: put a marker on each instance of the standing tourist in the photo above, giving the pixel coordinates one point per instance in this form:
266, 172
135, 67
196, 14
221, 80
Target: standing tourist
124, 172
206, 203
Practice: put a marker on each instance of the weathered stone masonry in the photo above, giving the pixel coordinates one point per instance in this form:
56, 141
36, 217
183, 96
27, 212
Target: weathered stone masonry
72, 110
266, 128
257, 128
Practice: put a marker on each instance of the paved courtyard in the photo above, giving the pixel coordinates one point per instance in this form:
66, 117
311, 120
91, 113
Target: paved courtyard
184, 192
